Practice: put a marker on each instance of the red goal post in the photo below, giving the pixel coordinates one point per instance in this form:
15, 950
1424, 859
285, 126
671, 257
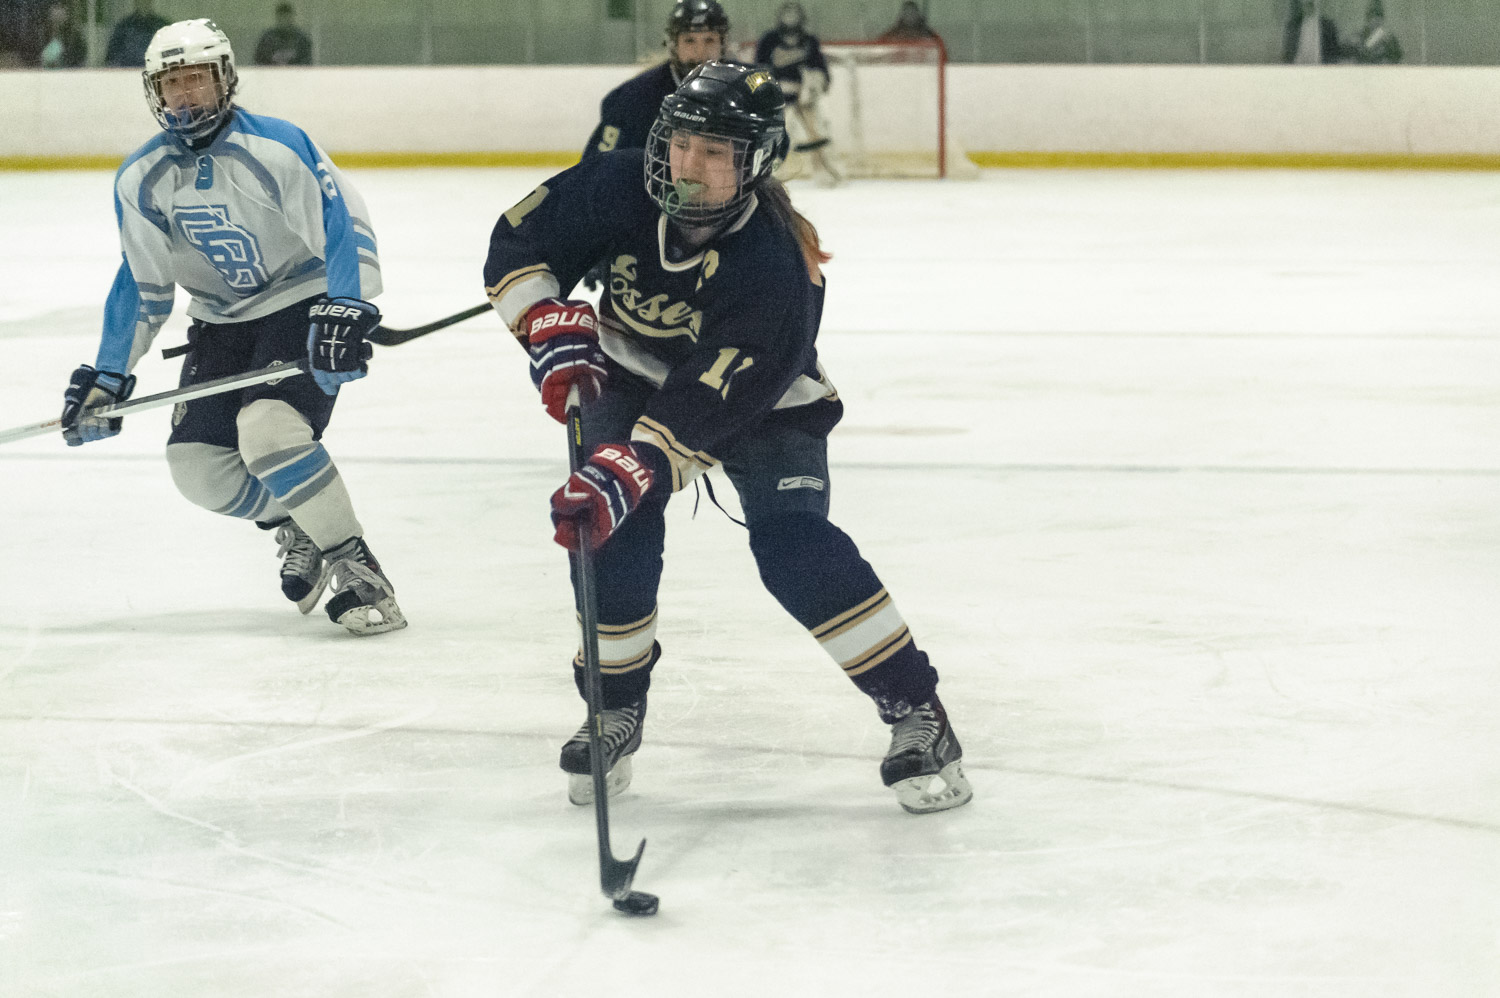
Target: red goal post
886, 109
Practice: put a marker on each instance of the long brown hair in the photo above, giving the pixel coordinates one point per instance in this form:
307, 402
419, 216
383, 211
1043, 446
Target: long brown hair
773, 194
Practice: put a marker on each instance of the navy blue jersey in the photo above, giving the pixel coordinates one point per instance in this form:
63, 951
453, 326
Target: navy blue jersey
628, 111
789, 55
725, 331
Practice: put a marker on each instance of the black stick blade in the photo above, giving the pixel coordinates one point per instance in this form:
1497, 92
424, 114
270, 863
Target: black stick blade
616, 876
637, 903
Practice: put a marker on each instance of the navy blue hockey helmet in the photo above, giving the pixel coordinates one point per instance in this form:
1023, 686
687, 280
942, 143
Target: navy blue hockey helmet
730, 101
697, 15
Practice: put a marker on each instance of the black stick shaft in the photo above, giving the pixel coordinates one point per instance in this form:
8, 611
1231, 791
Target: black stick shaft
387, 337
615, 876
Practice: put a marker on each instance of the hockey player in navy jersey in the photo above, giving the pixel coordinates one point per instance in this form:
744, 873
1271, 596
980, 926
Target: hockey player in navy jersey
704, 353
274, 246
696, 32
795, 57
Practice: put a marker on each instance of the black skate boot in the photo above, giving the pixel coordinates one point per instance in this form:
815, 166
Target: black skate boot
621, 736
304, 573
924, 764
363, 600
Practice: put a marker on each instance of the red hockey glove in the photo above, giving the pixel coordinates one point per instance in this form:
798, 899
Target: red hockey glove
563, 337
601, 493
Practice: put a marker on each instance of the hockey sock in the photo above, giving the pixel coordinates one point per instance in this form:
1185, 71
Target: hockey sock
816, 573
624, 681
216, 478
279, 450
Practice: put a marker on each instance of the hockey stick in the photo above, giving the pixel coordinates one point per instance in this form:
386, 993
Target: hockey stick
388, 337
615, 876
271, 372
383, 335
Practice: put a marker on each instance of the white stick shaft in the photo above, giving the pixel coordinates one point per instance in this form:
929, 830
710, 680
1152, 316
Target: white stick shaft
272, 372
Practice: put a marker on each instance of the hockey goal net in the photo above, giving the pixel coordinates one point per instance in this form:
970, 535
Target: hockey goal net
886, 110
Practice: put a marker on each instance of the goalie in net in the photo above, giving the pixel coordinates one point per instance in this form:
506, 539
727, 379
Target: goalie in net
883, 111
795, 58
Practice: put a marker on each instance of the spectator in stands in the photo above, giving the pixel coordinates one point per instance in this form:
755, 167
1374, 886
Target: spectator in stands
1376, 44
128, 41
285, 44
1311, 38
16, 49
910, 26
62, 44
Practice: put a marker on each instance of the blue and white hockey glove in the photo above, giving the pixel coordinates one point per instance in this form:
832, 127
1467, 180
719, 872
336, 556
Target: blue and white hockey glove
88, 389
336, 347
602, 493
563, 339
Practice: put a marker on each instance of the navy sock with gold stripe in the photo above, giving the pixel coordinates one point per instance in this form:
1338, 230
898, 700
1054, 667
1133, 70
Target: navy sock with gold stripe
817, 574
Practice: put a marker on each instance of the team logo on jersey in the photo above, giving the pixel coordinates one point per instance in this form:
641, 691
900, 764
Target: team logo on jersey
233, 251
657, 316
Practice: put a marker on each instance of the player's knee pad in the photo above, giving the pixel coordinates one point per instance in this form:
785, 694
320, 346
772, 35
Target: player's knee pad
790, 541
216, 479
811, 566
271, 426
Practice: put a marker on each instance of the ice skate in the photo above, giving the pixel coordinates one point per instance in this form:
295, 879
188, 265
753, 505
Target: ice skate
924, 764
363, 600
620, 737
304, 573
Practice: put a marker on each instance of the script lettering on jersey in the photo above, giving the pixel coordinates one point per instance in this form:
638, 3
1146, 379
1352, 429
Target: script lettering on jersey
656, 316
232, 250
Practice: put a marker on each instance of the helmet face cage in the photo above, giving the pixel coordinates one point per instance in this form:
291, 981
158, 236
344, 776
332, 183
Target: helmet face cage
752, 162
679, 200
191, 43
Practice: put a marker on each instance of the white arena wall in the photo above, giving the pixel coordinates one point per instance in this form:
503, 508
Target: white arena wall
1001, 115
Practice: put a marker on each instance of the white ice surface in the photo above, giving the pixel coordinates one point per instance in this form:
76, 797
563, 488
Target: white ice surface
1189, 483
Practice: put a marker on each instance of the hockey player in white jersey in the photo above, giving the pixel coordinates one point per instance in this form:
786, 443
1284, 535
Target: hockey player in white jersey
274, 248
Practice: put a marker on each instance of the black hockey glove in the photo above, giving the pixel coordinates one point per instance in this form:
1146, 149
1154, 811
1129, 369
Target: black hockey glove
337, 349
89, 389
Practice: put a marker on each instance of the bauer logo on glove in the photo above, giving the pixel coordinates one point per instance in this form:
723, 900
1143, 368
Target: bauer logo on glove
572, 320
563, 339
337, 350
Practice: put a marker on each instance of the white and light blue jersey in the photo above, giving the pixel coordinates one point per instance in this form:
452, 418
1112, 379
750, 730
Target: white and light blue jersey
257, 221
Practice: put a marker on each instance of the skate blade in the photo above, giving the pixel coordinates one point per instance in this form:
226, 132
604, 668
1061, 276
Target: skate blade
581, 785
926, 794
310, 602
384, 616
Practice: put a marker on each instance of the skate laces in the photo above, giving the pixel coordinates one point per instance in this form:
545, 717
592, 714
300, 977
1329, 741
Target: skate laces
298, 554
353, 568
618, 723
917, 731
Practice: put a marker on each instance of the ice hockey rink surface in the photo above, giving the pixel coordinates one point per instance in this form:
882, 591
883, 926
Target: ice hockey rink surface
1189, 482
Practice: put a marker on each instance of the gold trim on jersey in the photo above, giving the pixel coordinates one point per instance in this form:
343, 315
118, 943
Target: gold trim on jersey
864, 636
686, 464
510, 282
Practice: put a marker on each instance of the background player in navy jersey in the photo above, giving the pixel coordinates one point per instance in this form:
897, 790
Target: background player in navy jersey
247, 215
703, 353
696, 32
795, 58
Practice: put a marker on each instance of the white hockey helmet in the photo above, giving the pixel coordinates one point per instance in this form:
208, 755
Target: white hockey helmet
191, 43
